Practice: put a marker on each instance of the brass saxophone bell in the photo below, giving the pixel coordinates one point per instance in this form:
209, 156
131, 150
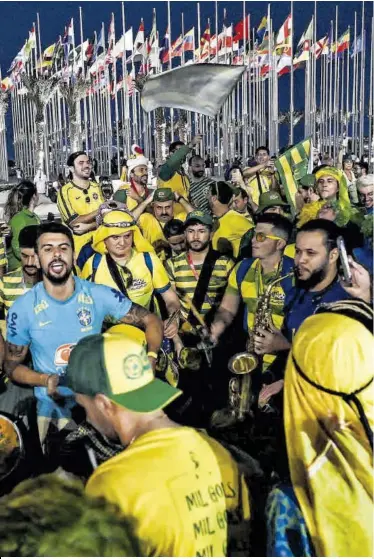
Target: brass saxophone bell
189, 358
243, 363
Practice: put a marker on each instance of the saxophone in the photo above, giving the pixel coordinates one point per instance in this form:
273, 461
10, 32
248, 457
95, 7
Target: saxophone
243, 364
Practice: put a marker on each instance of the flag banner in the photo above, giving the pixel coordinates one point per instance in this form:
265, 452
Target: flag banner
261, 30
292, 165
343, 42
201, 88
356, 46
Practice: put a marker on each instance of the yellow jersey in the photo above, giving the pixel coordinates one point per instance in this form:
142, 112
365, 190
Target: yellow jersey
228, 232
254, 188
73, 202
152, 229
182, 490
145, 278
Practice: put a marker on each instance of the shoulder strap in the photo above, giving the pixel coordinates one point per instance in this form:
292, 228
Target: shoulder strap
148, 262
243, 269
203, 282
116, 276
95, 264
259, 182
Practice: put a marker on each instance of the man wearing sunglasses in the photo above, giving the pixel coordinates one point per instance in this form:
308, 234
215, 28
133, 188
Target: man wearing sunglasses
250, 278
78, 201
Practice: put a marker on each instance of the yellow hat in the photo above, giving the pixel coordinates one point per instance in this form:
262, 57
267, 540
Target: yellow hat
119, 222
339, 176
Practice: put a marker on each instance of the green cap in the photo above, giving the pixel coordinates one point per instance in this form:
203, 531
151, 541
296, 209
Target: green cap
163, 195
117, 365
200, 217
307, 180
270, 199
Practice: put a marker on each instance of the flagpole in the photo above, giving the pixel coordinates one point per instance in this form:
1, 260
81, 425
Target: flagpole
291, 82
354, 92
371, 87
245, 77
125, 93
83, 77
314, 68
362, 82
336, 99
219, 116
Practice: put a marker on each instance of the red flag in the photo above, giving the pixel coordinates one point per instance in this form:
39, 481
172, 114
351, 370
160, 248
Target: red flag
239, 29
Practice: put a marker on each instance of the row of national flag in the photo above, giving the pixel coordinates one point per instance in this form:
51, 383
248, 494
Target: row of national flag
93, 55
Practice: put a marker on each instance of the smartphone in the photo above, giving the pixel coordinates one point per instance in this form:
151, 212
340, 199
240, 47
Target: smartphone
346, 270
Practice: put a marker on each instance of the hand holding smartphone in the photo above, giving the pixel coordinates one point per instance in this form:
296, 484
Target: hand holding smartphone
345, 267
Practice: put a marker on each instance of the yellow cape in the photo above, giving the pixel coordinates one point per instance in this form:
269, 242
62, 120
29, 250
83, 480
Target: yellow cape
328, 451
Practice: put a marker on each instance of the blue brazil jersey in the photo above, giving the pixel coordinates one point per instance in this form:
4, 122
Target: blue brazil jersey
51, 328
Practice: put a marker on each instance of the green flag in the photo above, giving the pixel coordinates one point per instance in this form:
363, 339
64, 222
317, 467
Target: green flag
292, 165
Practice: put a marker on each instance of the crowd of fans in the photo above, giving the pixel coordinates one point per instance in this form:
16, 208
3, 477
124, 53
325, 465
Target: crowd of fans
124, 428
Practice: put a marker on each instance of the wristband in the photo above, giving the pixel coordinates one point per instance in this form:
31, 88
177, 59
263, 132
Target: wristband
152, 354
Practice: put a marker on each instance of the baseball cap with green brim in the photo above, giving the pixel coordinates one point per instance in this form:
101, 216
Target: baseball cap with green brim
270, 199
200, 217
163, 195
117, 365
307, 180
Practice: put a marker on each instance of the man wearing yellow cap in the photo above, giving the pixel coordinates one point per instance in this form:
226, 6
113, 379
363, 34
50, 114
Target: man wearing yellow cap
182, 491
124, 260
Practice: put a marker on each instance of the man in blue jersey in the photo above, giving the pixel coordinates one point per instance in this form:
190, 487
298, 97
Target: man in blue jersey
53, 316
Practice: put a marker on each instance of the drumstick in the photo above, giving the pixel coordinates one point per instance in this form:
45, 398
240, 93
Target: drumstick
172, 318
195, 312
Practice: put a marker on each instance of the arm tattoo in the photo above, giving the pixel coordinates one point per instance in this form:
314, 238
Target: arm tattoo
14, 355
136, 316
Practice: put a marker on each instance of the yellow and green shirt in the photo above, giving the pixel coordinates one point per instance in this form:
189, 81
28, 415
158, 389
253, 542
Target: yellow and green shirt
144, 280
183, 492
12, 286
3, 257
182, 278
249, 282
72, 203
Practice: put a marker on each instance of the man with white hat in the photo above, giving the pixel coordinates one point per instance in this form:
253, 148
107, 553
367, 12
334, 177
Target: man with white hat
135, 191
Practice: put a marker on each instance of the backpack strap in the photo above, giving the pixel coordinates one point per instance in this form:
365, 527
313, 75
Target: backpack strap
202, 285
95, 264
148, 262
243, 269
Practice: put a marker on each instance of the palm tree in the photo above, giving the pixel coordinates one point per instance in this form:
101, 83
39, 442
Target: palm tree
73, 93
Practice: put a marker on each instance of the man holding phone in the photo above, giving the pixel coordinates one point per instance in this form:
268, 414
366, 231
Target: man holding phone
262, 175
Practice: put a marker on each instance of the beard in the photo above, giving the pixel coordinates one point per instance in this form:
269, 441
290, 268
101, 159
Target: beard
200, 248
315, 278
58, 280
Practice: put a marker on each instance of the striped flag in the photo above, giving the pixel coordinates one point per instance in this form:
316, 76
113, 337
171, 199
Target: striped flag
343, 42
292, 165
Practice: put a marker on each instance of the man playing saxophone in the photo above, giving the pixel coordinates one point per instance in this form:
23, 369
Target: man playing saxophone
248, 283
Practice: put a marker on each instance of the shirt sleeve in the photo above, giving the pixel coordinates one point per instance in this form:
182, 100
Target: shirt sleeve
1, 293
114, 303
161, 281
64, 206
18, 327
173, 164
170, 271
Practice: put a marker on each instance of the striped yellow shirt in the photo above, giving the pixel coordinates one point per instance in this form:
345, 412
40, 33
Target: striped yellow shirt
183, 280
12, 286
3, 258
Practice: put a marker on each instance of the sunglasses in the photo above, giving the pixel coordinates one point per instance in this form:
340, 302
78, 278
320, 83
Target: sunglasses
120, 224
261, 237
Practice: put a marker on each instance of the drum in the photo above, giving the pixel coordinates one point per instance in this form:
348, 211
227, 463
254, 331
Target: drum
12, 449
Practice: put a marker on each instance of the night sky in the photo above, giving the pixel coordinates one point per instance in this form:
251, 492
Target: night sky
17, 19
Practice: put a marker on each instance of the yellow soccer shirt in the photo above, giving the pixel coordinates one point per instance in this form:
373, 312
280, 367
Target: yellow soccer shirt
153, 230
229, 230
73, 202
253, 186
144, 283
182, 489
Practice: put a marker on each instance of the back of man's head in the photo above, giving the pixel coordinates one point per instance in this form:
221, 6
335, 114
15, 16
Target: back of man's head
223, 192
174, 145
27, 237
173, 227
282, 226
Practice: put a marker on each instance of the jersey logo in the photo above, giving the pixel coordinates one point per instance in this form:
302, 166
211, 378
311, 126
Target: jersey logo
41, 324
12, 323
95, 196
85, 299
84, 316
62, 354
43, 305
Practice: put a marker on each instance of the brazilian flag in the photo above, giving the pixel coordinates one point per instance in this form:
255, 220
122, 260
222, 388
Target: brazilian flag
292, 165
